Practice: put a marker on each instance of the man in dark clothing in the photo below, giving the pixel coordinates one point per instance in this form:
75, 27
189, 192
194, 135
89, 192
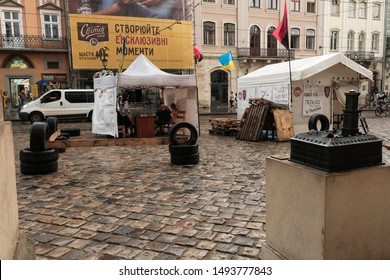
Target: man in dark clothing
21, 99
163, 116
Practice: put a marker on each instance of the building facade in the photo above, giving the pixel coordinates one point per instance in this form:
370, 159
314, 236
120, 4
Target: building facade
33, 47
357, 29
36, 46
245, 28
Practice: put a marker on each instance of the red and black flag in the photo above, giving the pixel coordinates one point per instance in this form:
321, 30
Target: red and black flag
281, 32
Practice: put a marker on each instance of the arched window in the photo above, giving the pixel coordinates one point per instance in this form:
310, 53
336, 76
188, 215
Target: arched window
271, 42
209, 33
229, 34
334, 37
362, 42
295, 38
350, 41
310, 39
17, 61
255, 40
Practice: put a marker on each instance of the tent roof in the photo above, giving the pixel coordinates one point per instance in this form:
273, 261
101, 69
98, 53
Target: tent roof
143, 73
300, 69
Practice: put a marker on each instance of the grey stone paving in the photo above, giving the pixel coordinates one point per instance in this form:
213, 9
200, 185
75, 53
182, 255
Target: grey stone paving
131, 203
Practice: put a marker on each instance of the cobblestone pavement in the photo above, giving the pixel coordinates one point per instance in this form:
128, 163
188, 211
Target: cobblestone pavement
131, 203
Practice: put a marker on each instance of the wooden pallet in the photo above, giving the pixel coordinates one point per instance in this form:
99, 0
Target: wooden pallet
253, 123
264, 115
223, 126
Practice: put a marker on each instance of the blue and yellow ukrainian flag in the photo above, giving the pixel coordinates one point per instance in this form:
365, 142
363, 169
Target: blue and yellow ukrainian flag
227, 61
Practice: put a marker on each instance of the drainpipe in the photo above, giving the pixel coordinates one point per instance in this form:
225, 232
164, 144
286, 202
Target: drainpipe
384, 57
67, 27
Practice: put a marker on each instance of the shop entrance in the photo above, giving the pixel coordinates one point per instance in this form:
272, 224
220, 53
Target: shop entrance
219, 91
15, 86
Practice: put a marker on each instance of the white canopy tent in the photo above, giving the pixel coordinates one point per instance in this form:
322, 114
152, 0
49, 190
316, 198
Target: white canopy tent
300, 69
179, 89
314, 81
143, 73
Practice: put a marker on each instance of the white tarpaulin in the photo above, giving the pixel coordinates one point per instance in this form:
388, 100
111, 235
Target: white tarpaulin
104, 118
278, 73
143, 73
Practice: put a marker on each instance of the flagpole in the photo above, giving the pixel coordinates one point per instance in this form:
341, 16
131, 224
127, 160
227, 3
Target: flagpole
289, 68
281, 34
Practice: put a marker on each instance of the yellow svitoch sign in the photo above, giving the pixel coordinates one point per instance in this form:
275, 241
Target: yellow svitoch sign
167, 43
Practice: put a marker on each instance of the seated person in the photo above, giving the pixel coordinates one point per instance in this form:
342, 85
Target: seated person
163, 116
174, 112
127, 120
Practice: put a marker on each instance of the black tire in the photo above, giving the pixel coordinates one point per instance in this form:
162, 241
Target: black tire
378, 111
38, 168
183, 149
386, 110
61, 137
46, 156
36, 117
66, 135
72, 131
90, 114
314, 120
38, 134
53, 125
191, 139
185, 159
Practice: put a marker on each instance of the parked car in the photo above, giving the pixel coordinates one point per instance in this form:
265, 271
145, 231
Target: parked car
60, 103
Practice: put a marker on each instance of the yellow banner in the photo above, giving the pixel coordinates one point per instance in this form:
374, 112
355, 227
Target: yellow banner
96, 39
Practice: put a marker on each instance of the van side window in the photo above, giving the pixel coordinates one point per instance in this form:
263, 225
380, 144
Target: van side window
52, 96
76, 97
90, 97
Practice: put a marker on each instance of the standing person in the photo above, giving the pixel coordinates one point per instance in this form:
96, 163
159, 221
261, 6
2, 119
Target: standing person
231, 100
21, 99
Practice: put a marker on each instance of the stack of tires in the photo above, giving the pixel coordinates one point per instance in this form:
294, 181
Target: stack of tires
37, 159
183, 149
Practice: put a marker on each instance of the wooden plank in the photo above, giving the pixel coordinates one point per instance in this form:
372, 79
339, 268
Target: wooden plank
54, 135
82, 143
283, 123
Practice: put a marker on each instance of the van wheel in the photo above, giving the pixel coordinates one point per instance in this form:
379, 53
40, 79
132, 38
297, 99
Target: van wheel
36, 117
90, 116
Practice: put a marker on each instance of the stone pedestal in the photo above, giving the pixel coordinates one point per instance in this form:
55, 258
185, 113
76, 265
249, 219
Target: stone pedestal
316, 215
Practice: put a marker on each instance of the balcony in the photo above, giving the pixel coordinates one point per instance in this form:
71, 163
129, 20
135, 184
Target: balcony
363, 58
257, 53
33, 42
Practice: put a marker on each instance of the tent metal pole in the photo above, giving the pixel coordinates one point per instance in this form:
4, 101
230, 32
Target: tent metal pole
289, 69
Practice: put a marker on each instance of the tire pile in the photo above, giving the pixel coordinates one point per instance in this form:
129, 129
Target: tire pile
183, 150
36, 159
